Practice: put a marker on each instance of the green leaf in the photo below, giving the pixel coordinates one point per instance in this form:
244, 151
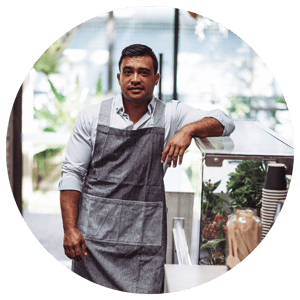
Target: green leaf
99, 85
49, 129
220, 234
217, 184
59, 97
224, 214
212, 243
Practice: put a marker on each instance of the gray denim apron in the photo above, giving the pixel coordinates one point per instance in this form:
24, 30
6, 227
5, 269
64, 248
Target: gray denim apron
122, 213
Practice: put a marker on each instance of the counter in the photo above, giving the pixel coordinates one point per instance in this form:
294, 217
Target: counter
182, 277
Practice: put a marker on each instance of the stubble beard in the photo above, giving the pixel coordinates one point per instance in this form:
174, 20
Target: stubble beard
144, 99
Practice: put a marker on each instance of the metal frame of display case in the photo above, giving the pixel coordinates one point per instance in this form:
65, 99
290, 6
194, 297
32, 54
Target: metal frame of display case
249, 141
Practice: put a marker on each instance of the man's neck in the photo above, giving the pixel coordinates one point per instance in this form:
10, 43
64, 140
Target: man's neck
135, 110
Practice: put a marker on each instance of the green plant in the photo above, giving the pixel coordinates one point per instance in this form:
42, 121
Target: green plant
239, 107
244, 186
60, 118
211, 201
60, 111
216, 246
48, 63
216, 249
242, 107
45, 166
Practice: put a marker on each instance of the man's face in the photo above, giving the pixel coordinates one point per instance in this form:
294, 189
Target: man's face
137, 79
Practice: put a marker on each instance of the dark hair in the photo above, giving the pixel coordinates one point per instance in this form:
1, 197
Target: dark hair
139, 50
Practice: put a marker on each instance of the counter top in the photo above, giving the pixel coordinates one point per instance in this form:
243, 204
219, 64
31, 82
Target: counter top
250, 140
181, 277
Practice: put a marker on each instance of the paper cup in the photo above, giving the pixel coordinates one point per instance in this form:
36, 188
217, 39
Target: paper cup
268, 214
274, 191
273, 198
264, 233
266, 227
281, 197
268, 219
269, 205
275, 179
267, 211
274, 194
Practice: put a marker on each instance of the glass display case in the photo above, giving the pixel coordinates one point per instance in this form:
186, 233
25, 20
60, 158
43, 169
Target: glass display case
249, 141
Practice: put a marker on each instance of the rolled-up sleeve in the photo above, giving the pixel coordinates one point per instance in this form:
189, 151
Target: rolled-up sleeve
78, 154
224, 120
187, 115
72, 177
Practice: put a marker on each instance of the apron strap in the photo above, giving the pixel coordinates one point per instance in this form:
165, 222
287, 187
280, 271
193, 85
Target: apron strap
159, 114
105, 111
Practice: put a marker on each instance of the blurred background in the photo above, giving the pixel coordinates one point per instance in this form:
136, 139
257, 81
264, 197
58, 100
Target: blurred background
202, 64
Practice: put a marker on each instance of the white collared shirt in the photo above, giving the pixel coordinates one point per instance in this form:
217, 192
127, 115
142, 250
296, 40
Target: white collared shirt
80, 147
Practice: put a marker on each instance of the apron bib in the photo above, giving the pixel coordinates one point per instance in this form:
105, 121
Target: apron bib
122, 213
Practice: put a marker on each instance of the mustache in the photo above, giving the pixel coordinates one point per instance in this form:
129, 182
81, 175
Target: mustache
135, 88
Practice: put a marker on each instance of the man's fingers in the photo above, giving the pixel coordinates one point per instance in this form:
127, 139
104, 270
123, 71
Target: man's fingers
83, 247
67, 252
170, 156
165, 153
172, 153
181, 152
175, 157
74, 243
70, 252
77, 251
74, 253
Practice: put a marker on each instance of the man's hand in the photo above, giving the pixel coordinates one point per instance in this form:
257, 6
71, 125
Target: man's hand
176, 147
74, 243
182, 139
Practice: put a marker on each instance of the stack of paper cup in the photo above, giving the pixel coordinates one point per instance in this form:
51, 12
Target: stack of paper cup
274, 191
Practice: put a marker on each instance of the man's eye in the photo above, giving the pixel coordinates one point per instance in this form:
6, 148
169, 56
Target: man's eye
127, 72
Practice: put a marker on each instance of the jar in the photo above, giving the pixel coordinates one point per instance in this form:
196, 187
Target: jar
242, 235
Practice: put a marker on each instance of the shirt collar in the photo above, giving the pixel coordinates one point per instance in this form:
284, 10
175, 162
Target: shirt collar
120, 107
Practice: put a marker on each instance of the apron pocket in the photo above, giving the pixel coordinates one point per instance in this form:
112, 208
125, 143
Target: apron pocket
125, 221
141, 223
103, 219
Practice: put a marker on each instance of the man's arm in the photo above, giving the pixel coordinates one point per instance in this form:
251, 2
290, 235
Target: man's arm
182, 139
73, 239
74, 168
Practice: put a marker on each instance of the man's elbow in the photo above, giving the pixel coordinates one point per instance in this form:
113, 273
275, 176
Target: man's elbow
229, 129
225, 121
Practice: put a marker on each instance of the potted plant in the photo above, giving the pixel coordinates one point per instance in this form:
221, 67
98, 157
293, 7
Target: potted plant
244, 186
214, 236
213, 224
212, 203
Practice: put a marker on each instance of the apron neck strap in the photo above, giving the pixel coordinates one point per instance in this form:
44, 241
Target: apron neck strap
105, 111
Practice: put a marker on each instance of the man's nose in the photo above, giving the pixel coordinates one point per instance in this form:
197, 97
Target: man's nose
135, 78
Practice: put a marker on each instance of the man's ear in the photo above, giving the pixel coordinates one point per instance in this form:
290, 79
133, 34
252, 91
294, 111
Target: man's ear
157, 77
119, 76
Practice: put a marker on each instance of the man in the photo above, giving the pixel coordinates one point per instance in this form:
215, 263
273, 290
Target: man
112, 192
